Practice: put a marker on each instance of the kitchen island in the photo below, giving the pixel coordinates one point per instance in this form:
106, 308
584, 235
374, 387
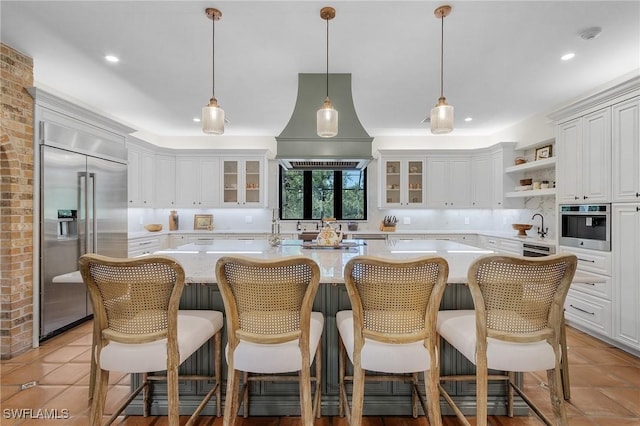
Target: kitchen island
278, 398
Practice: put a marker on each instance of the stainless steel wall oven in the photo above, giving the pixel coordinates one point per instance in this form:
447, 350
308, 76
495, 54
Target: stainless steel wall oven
586, 226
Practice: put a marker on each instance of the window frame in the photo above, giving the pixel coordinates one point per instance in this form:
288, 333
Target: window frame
307, 195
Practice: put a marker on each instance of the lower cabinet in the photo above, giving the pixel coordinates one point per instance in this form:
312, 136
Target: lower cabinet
625, 219
589, 305
145, 245
499, 245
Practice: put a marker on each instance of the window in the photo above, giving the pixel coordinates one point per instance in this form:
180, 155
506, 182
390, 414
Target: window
307, 195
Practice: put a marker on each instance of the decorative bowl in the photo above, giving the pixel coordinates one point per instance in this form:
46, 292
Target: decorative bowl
522, 228
153, 227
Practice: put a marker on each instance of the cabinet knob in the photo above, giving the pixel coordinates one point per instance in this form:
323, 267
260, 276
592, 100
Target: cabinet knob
638, 209
638, 194
575, 198
584, 197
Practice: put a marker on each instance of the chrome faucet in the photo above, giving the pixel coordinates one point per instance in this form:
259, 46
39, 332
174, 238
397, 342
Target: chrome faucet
542, 231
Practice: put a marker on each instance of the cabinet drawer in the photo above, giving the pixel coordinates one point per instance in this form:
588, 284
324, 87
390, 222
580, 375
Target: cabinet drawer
513, 247
588, 311
144, 243
592, 261
598, 289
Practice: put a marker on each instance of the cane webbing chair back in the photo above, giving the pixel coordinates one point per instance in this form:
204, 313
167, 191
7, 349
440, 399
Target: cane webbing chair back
523, 297
136, 296
136, 327
269, 304
268, 297
393, 295
519, 320
391, 329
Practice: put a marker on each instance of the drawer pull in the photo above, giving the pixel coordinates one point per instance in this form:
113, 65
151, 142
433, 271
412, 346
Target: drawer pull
582, 310
593, 284
145, 243
586, 260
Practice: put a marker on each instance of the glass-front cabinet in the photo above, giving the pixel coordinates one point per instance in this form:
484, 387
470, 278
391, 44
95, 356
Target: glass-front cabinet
403, 183
243, 184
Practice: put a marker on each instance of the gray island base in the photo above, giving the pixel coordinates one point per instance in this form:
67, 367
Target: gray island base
282, 399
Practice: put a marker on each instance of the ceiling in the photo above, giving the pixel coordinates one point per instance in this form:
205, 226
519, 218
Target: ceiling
501, 58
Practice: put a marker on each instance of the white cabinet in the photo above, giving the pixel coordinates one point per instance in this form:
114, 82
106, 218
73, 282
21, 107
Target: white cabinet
140, 177
503, 182
626, 151
145, 245
588, 306
165, 181
584, 155
243, 182
481, 182
448, 182
197, 181
500, 245
402, 183
626, 273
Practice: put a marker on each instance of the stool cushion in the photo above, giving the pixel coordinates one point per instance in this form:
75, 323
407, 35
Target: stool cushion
383, 357
276, 357
195, 327
458, 327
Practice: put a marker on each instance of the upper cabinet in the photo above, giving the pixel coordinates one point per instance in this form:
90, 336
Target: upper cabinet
402, 182
197, 181
481, 182
626, 151
503, 181
243, 182
584, 152
140, 174
165, 181
597, 143
448, 182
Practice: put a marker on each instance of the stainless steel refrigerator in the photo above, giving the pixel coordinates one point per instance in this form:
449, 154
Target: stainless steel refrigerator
83, 210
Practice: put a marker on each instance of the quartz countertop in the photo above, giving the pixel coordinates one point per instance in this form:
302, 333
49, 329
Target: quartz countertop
355, 234
198, 260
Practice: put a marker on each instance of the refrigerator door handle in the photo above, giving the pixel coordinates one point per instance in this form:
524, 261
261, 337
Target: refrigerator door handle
94, 219
83, 208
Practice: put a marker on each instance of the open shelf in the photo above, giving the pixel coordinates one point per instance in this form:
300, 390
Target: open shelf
531, 193
547, 163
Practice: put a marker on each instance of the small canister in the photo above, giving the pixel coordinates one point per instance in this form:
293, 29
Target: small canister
173, 220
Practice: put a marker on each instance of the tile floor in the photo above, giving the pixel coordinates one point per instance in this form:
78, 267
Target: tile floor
605, 388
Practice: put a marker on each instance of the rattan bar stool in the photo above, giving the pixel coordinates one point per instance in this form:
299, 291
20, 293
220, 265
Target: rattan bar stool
391, 329
140, 329
271, 327
516, 326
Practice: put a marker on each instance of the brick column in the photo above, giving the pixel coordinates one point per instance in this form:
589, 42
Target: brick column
16, 203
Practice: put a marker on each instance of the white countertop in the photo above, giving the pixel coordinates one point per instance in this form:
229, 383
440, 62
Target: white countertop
199, 260
400, 231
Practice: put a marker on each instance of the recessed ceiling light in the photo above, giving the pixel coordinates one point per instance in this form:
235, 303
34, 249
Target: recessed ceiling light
111, 58
567, 56
196, 120
468, 119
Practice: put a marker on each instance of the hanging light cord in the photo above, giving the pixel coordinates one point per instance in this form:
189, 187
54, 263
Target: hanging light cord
442, 56
327, 74
213, 58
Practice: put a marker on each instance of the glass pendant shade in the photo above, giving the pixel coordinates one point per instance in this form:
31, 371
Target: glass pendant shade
441, 117
213, 118
327, 120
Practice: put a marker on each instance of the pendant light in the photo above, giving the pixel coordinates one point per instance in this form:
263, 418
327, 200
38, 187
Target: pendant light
212, 114
327, 116
442, 113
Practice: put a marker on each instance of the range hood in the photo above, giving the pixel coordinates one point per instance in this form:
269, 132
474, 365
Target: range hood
300, 148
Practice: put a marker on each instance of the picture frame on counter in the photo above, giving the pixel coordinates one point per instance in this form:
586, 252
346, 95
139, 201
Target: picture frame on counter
543, 152
203, 222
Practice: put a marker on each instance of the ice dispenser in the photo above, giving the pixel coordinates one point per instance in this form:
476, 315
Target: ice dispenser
67, 223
